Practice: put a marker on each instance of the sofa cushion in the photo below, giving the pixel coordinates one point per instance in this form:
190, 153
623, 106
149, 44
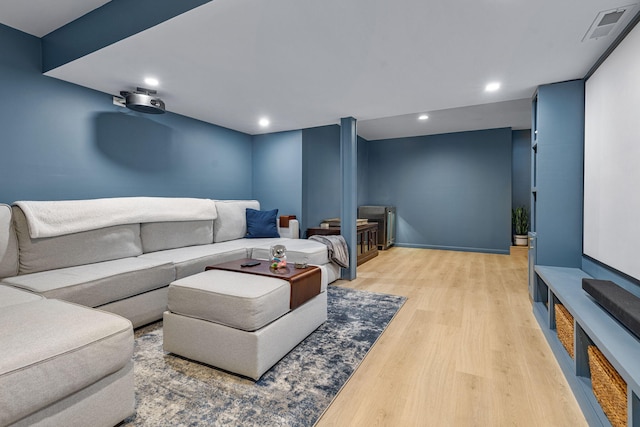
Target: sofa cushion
8, 244
193, 259
298, 250
158, 236
263, 242
100, 283
261, 224
239, 300
231, 222
82, 248
12, 296
65, 348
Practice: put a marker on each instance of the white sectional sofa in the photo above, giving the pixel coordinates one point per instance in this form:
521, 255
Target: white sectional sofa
118, 255
125, 268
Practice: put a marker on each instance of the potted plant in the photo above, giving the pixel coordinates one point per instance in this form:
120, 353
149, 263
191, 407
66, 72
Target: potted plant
520, 220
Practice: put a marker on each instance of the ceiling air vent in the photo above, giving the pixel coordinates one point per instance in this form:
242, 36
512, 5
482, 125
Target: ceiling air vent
608, 22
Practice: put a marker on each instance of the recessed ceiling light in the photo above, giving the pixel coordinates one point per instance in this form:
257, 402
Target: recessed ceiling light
151, 81
264, 122
423, 117
492, 87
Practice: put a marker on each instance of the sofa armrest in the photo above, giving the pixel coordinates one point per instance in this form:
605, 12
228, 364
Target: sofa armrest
291, 232
8, 244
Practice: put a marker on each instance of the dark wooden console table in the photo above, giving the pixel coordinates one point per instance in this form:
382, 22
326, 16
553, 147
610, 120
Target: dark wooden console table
366, 238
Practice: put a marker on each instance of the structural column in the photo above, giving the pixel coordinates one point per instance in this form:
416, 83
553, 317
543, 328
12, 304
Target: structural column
349, 172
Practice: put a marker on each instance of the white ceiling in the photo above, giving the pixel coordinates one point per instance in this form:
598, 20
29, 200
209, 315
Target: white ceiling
37, 17
305, 64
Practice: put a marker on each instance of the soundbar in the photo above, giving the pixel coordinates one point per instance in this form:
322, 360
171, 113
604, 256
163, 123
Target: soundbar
620, 303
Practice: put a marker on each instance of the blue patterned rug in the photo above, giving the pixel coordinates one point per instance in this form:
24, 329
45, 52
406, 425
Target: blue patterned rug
173, 391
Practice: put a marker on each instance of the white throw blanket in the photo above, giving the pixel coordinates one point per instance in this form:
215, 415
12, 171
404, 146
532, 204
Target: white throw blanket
337, 248
56, 218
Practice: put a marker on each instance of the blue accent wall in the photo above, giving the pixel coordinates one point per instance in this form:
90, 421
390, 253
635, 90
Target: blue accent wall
321, 177
521, 169
277, 172
63, 141
363, 171
451, 191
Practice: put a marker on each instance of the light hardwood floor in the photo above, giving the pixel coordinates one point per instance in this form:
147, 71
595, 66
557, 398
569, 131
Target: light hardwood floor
464, 350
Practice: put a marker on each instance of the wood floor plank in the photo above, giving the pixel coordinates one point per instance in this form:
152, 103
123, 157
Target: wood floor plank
465, 349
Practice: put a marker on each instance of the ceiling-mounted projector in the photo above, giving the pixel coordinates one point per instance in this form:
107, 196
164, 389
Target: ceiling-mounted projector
143, 101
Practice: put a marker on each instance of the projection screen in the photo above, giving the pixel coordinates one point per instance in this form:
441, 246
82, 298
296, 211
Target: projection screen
612, 159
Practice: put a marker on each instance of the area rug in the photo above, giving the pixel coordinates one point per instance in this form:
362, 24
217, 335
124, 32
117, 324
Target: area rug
173, 391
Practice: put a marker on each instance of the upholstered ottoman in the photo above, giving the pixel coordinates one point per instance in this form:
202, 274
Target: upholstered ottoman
63, 364
236, 321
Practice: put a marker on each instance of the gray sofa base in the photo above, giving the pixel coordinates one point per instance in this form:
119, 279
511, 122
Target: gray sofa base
105, 403
250, 354
140, 309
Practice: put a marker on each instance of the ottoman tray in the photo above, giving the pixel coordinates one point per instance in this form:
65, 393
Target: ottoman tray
305, 282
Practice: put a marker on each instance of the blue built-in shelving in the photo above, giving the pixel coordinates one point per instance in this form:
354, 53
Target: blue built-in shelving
592, 326
556, 260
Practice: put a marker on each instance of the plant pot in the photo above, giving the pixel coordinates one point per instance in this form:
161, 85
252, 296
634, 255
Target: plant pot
520, 239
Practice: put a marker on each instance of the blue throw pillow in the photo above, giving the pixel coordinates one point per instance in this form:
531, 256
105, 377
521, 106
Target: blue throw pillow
261, 224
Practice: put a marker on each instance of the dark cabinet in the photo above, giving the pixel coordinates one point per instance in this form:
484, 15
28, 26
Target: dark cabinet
366, 239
